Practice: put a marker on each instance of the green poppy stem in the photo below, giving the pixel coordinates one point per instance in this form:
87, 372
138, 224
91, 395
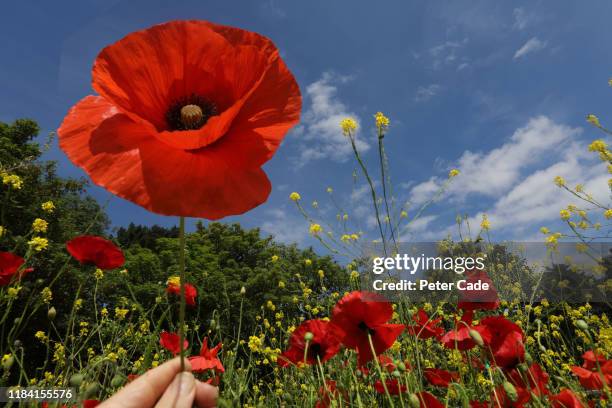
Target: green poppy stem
182, 277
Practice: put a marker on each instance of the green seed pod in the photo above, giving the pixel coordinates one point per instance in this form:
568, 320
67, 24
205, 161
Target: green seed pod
308, 336
117, 381
396, 374
76, 380
476, 337
91, 390
582, 325
528, 358
17, 320
401, 366
413, 401
542, 349
51, 313
510, 391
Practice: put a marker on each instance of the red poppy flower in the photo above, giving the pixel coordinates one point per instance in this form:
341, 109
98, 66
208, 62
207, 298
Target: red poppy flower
207, 360
360, 316
592, 379
478, 299
188, 113
427, 400
566, 399
439, 377
478, 404
393, 386
386, 362
170, 341
592, 359
323, 345
190, 292
459, 338
90, 403
330, 392
503, 339
89, 249
425, 328
9, 267
501, 399
534, 380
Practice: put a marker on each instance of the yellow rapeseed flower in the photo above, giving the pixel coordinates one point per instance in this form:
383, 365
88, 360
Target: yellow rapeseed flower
12, 180
99, 274
38, 243
39, 225
453, 173
598, 146
295, 196
315, 229
274, 258
565, 215
174, 281
46, 295
559, 181
348, 125
382, 122
48, 206
593, 120
485, 224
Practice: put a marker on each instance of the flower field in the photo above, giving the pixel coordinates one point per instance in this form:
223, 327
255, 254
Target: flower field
269, 324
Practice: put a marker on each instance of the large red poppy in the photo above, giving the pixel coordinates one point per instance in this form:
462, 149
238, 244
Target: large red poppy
361, 316
188, 113
427, 400
102, 253
566, 399
190, 292
439, 377
207, 360
459, 338
503, 339
323, 344
9, 267
589, 374
393, 386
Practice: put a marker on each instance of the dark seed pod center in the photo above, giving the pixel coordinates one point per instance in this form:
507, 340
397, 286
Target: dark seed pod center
189, 113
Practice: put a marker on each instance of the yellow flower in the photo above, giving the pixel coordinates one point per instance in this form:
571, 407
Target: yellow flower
274, 258
315, 229
255, 343
608, 213
453, 173
598, 146
382, 122
40, 225
354, 275
120, 313
281, 284
544, 230
38, 243
321, 273
270, 305
329, 190
565, 215
560, 181
13, 291
404, 214
48, 206
307, 262
13, 180
348, 125
174, 281
295, 196
104, 312
78, 303
2, 231
593, 120
46, 295
485, 224
99, 274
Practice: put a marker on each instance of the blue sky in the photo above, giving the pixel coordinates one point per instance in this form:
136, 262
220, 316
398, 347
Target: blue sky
499, 90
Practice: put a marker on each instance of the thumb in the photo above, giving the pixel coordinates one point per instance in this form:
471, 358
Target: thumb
180, 393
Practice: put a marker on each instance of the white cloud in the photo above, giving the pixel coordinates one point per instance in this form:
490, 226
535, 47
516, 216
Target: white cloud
447, 53
521, 19
425, 93
285, 228
518, 178
319, 131
532, 45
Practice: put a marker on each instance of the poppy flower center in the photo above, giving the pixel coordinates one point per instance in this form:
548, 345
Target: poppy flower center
190, 113
315, 350
365, 328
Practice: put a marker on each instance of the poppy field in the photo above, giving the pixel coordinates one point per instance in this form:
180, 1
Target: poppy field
269, 324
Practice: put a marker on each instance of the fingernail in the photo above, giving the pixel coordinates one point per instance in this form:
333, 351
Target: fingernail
187, 381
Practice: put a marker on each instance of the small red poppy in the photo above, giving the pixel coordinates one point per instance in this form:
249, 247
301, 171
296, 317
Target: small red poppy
188, 113
503, 339
171, 342
323, 344
439, 377
566, 399
9, 268
330, 392
102, 253
90, 403
590, 377
425, 328
427, 400
501, 399
478, 299
361, 316
478, 404
393, 386
386, 362
459, 338
190, 292
207, 360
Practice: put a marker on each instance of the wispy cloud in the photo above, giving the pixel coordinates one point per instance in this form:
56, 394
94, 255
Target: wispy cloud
521, 18
532, 45
319, 132
425, 93
447, 53
284, 227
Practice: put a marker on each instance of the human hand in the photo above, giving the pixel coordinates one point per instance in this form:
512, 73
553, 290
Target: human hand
164, 387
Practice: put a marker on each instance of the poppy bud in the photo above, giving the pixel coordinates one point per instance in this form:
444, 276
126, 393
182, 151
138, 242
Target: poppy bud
413, 401
243, 290
91, 390
8, 362
542, 349
401, 366
308, 336
582, 325
117, 381
476, 337
17, 320
17, 344
396, 374
528, 358
510, 391
51, 313
76, 380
